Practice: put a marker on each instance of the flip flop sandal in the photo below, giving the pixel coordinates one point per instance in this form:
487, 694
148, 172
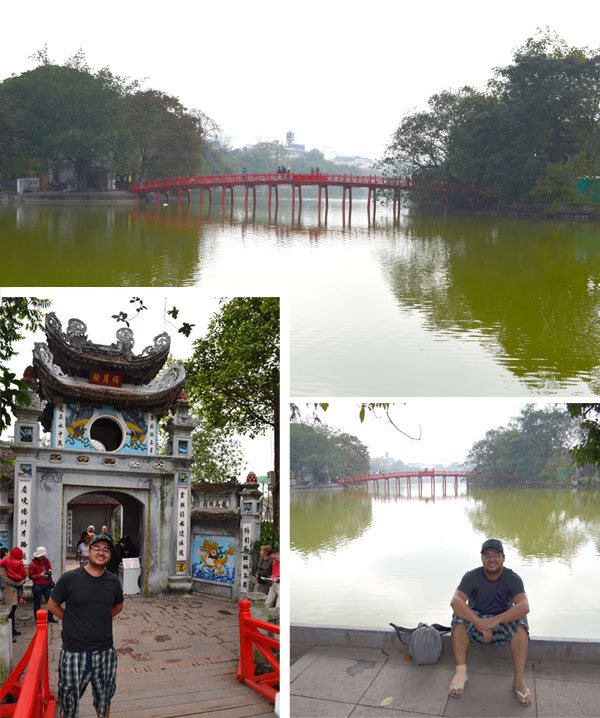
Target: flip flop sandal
456, 684
521, 697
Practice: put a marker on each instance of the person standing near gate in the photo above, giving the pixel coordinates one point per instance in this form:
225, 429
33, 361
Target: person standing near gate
40, 573
92, 597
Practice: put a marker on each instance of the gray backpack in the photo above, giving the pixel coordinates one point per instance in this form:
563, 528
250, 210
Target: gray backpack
425, 643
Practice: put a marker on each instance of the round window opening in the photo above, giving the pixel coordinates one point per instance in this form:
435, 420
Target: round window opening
106, 434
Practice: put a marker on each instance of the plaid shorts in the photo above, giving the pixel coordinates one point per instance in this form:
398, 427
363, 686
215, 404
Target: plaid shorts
501, 634
76, 669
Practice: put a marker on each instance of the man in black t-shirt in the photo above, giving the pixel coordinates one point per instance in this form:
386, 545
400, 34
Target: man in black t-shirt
92, 598
490, 606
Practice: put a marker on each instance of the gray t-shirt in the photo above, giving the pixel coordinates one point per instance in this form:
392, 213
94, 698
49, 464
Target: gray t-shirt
491, 597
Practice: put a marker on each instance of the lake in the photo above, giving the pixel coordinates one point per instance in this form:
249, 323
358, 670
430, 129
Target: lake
429, 307
363, 560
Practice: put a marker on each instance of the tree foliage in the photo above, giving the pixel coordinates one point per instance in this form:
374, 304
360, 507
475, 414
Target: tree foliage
17, 314
532, 448
538, 112
325, 454
69, 116
587, 449
233, 373
217, 455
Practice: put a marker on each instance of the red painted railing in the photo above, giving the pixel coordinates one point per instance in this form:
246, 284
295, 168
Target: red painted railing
409, 475
34, 699
252, 634
207, 181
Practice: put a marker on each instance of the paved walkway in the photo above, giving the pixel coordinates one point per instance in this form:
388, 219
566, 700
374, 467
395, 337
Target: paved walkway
177, 657
340, 681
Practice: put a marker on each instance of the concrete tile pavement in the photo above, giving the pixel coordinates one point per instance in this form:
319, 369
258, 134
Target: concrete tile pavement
357, 682
177, 657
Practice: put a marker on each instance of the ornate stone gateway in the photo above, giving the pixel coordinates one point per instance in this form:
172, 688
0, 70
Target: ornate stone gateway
101, 405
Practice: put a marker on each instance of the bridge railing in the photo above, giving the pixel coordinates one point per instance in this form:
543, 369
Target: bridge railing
253, 634
206, 181
34, 699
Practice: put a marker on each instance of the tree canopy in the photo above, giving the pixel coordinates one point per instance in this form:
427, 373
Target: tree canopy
17, 314
233, 373
325, 454
69, 116
528, 136
532, 448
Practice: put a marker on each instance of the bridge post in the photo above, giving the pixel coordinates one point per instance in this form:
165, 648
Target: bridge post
157, 198
223, 190
344, 202
253, 199
178, 199
408, 486
319, 204
349, 206
293, 203
269, 201
374, 204
246, 202
326, 199
299, 199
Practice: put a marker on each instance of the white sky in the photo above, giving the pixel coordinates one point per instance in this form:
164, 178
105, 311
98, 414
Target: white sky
448, 427
95, 307
339, 73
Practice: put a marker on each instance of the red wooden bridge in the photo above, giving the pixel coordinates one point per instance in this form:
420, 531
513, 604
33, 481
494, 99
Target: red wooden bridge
422, 477
274, 180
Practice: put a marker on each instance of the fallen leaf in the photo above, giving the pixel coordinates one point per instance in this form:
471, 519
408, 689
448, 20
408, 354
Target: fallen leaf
386, 701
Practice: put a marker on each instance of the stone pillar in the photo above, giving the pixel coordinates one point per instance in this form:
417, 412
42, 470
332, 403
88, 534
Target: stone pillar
180, 428
250, 520
26, 443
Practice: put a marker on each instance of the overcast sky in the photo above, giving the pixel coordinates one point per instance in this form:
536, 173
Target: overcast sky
340, 73
448, 427
95, 307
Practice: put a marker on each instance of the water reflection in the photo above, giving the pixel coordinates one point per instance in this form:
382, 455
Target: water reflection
402, 559
534, 287
324, 520
87, 245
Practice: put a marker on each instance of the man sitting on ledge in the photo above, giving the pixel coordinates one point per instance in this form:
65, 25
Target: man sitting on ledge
490, 606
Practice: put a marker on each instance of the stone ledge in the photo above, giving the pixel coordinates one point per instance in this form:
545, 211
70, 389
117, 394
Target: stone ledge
552, 649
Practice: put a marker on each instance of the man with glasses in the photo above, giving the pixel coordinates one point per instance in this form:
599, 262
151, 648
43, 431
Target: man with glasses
490, 606
92, 597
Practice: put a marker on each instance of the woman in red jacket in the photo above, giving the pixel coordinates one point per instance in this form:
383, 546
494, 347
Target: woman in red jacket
14, 578
40, 573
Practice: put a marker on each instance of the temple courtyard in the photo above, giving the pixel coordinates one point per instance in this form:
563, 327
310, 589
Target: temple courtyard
177, 658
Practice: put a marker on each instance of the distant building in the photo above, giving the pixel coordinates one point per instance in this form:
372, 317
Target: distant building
294, 147
363, 163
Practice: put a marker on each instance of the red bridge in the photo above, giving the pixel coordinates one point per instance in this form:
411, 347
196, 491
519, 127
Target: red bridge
406, 478
297, 181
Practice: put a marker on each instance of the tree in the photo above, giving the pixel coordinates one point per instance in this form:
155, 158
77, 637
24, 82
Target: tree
325, 454
233, 373
16, 315
166, 135
69, 116
217, 455
587, 449
529, 450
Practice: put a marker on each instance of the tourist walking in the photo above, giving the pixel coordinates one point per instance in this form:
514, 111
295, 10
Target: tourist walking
272, 599
40, 573
14, 575
83, 548
490, 606
264, 569
92, 597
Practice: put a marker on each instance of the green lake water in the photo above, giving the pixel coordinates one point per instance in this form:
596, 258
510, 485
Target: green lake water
363, 560
457, 306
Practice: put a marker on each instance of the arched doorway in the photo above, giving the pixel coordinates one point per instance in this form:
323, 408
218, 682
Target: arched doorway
124, 511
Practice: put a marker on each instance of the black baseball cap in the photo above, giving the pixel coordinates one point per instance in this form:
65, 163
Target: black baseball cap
492, 543
101, 537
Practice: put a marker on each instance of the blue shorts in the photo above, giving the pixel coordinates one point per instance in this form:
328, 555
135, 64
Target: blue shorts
501, 634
